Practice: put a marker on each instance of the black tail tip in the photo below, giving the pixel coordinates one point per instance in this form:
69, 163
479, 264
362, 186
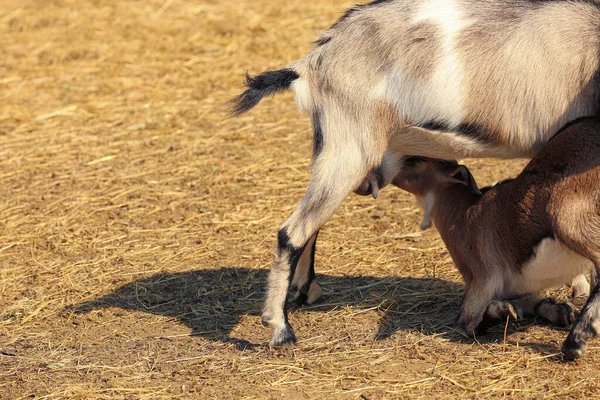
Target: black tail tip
266, 84
244, 102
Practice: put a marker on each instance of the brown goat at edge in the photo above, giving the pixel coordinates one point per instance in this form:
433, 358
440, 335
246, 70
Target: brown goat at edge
539, 230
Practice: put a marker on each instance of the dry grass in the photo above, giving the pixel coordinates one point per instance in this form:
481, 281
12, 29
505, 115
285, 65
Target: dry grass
136, 225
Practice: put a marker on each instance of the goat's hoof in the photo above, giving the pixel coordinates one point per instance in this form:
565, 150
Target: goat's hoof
310, 297
580, 292
503, 310
300, 299
573, 348
508, 310
283, 336
567, 314
467, 332
559, 314
580, 287
314, 293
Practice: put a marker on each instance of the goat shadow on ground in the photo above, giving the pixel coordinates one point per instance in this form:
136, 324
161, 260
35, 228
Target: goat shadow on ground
212, 302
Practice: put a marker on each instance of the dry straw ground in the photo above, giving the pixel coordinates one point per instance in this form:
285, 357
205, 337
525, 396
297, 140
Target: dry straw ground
137, 225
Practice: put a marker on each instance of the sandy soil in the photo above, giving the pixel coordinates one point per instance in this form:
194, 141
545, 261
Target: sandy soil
137, 225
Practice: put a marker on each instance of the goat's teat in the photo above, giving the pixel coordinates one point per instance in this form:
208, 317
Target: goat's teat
371, 184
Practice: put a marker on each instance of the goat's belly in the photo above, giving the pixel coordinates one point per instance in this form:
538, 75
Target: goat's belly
552, 265
446, 144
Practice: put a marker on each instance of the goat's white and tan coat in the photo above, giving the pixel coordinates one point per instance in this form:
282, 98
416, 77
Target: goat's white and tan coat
437, 78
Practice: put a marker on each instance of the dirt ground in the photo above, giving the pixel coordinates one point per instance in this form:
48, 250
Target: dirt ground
137, 225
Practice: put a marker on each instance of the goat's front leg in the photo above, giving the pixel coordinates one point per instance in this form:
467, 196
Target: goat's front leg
478, 295
497, 312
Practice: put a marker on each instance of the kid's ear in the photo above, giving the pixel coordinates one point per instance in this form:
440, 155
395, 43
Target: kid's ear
462, 175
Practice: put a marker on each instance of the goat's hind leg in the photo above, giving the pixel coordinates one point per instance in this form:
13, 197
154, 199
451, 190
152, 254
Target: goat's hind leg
584, 241
308, 290
586, 327
337, 171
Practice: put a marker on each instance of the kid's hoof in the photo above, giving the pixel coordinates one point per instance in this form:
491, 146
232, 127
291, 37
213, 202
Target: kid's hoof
310, 297
497, 313
567, 314
467, 332
559, 314
572, 354
300, 299
573, 348
512, 312
501, 310
580, 287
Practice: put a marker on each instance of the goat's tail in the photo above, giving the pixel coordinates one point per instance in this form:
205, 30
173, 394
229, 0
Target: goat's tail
266, 84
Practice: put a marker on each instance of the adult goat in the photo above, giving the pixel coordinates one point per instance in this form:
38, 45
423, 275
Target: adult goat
436, 78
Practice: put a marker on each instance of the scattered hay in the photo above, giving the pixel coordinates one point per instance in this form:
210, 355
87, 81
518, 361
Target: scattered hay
137, 224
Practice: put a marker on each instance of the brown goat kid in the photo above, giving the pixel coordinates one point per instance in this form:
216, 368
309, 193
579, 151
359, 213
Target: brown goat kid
537, 231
